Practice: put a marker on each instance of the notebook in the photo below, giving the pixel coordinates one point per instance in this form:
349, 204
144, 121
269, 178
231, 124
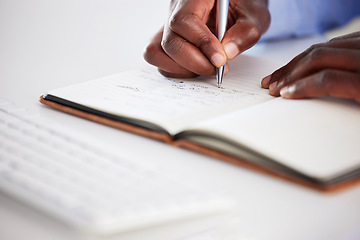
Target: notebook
314, 142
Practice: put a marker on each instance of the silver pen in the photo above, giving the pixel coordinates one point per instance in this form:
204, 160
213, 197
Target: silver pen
222, 9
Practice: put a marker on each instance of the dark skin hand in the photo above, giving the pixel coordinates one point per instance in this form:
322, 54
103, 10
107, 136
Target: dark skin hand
187, 47
327, 69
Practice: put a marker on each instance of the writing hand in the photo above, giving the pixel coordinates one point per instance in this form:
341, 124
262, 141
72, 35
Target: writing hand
187, 47
326, 69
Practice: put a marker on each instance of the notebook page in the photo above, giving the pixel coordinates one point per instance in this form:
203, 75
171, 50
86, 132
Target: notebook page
319, 137
173, 104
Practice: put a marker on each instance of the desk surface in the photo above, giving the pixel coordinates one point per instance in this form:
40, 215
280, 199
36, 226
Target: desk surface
48, 44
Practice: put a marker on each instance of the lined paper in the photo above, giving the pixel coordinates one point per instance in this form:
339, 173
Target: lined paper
173, 104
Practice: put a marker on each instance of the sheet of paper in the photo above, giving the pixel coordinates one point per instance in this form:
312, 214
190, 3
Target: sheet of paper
173, 103
319, 137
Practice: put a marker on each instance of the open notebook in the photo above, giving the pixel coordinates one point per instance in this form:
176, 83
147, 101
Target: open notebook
312, 142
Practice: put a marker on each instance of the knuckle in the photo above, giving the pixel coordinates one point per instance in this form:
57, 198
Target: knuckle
178, 21
313, 47
202, 41
174, 22
318, 53
285, 81
172, 46
321, 77
338, 38
288, 78
325, 79
327, 74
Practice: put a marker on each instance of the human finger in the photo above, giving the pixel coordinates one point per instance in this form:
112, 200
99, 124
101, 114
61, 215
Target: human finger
247, 22
189, 20
348, 43
186, 54
335, 83
186, 36
240, 37
320, 59
155, 55
188, 75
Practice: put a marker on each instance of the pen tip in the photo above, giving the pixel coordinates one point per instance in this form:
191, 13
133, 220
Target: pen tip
219, 75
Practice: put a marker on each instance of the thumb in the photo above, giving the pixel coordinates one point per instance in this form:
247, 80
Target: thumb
240, 37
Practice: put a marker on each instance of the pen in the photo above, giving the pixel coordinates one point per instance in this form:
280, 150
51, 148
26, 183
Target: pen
222, 9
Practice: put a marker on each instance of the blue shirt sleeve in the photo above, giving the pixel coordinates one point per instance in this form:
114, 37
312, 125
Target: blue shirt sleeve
299, 18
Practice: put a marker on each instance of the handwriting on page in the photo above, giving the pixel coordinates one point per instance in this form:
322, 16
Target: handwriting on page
148, 91
172, 103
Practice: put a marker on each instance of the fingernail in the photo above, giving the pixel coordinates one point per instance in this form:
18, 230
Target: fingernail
231, 50
273, 86
265, 81
287, 91
218, 60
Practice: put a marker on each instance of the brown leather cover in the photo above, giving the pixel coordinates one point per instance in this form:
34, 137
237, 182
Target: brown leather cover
200, 149
112, 123
261, 169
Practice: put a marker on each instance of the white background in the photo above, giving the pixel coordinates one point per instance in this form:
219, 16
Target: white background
47, 44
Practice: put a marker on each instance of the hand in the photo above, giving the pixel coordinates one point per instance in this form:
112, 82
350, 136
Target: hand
327, 69
187, 47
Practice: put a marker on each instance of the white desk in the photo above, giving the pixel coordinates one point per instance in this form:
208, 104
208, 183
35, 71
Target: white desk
48, 44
